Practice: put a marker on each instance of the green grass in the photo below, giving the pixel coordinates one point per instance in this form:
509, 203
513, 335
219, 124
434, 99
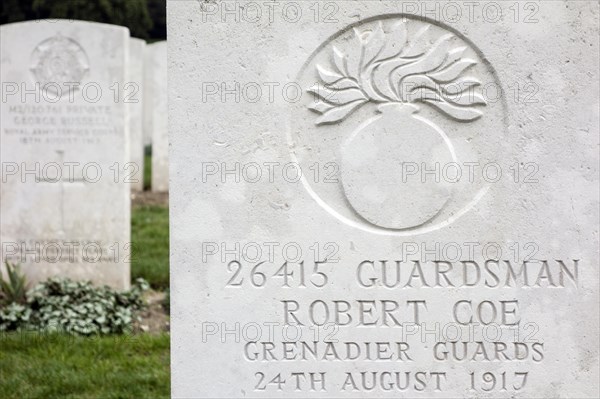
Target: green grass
63, 366
150, 250
147, 169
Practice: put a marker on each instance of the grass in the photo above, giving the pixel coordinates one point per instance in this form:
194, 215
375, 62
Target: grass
147, 169
150, 250
62, 366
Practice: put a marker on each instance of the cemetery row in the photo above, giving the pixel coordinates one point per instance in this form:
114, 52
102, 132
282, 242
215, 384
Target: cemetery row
80, 102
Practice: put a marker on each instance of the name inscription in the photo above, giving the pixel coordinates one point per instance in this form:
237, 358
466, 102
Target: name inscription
475, 330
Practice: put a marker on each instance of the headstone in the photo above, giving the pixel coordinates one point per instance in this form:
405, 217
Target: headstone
148, 105
64, 148
134, 97
156, 113
384, 199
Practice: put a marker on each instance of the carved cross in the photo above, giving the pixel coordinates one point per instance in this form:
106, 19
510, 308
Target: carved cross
71, 181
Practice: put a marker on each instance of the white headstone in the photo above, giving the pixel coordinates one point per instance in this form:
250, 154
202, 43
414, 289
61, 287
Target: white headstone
156, 113
134, 97
366, 202
148, 105
64, 148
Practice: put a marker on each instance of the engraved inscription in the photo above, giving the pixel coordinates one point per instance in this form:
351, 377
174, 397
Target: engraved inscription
312, 331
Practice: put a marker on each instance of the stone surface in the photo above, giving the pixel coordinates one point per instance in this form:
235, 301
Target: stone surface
156, 113
64, 145
134, 92
382, 271
148, 110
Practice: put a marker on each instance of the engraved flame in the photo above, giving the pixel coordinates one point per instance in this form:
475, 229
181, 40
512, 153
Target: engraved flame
390, 67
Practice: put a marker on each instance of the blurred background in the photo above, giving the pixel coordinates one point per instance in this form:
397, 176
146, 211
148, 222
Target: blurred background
146, 19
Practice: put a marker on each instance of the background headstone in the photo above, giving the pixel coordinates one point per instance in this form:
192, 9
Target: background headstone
64, 145
148, 105
134, 93
377, 272
156, 113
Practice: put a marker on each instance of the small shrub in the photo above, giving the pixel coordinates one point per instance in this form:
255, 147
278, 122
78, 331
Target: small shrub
63, 305
14, 316
14, 289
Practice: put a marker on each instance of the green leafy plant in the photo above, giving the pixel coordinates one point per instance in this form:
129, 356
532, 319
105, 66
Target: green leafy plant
13, 316
63, 305
14, 289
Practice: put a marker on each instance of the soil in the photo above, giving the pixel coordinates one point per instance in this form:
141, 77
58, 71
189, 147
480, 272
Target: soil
154, 318
149, 198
